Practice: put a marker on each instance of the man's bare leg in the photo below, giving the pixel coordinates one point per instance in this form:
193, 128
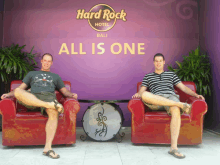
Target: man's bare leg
175, 127
159, 100
50, 129
31, 100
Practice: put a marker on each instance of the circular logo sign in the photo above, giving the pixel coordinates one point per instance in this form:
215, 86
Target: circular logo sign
101, 17
106, 19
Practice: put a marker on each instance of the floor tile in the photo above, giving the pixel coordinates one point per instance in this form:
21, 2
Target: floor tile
114, 160
4, 160
140, 162
8, 153
102, 154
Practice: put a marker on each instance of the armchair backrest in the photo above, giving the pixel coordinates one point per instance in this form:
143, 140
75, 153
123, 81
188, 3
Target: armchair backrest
189, 84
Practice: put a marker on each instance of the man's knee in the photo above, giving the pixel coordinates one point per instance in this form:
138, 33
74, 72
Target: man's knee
52, 113
145, 95
175, 111
17, 91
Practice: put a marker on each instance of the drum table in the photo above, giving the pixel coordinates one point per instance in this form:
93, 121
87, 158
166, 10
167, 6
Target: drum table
103, 120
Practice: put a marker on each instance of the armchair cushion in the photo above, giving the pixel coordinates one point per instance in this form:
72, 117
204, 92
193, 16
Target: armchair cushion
162, 117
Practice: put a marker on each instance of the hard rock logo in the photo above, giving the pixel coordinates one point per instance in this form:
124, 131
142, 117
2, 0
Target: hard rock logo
101, 17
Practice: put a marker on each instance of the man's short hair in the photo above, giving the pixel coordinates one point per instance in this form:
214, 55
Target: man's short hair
48, 55
159, 54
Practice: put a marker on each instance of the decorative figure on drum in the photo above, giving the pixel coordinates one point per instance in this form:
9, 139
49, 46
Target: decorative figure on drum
101, 120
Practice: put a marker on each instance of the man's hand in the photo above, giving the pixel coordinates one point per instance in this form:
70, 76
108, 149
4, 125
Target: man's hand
136, 95
67, 93
5, 96
74, 95
200, 97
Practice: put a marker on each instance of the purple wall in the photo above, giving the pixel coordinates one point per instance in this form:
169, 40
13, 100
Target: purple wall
209, 40
169, 27
1, 21
1, 27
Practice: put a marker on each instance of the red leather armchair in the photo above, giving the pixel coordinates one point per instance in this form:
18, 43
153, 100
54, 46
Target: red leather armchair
22, 127
154, 126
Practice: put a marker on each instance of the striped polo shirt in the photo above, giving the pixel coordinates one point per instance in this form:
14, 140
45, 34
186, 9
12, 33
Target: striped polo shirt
161, 83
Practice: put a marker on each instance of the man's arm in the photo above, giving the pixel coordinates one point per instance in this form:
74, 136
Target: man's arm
10, 94
67, 93
142, 89
188, 91
140, 92
22, 86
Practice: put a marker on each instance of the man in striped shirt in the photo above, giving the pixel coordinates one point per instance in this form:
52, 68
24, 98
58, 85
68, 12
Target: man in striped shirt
162, 96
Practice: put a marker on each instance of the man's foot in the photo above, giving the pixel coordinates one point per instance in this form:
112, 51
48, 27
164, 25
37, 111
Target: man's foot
51, 154
176, 154
187, 108
58, 106
55, 104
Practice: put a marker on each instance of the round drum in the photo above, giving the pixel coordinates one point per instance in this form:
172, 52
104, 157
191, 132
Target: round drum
102, 121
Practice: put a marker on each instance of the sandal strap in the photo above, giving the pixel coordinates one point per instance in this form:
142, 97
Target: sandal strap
55, 105
56, 102
175, 151
48, 152
185, 107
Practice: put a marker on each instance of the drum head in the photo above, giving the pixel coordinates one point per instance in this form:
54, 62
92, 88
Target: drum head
102, 122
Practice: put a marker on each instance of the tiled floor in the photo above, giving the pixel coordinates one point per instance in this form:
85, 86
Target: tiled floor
114, 153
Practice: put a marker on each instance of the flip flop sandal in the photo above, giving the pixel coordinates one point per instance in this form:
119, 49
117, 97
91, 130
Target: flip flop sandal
173, 152
48, 154
185, 107
56, 102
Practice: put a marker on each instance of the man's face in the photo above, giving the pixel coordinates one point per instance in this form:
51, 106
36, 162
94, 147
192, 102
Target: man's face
159, 63
46, 62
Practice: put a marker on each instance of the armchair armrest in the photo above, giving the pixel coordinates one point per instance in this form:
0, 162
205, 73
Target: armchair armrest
71, 103
71, 108
7, 108
199, 107
137, 109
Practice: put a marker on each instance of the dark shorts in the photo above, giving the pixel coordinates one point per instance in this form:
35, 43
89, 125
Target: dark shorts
167, 108
44, 96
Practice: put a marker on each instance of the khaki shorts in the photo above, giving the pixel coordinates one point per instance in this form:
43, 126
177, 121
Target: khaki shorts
44, 96
165, 108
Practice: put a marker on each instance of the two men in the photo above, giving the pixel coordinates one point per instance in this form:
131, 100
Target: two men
162, 96
43, 84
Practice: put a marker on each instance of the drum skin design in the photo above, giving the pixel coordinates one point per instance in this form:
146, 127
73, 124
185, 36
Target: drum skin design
102, 121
